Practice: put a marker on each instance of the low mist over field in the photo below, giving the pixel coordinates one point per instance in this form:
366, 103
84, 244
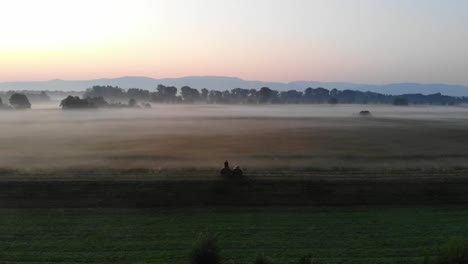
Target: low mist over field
203, 136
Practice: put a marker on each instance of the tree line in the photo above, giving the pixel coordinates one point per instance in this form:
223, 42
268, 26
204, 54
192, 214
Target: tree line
265, 95
116, 97
75, 102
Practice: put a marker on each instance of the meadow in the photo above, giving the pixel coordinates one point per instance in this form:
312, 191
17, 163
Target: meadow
254, 137
330, 235
142, 185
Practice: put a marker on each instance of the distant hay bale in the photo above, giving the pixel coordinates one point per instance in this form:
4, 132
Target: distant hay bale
365, 113
237, 172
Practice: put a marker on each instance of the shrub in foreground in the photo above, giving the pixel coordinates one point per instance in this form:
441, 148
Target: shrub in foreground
206, 252
455, 252
305, 260
262, 259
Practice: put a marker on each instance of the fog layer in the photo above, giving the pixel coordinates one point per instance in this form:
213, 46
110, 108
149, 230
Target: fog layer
200, 136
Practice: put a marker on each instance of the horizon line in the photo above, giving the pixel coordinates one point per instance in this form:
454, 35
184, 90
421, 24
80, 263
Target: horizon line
234, 77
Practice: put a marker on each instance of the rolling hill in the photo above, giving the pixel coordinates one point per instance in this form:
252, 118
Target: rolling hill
227, 83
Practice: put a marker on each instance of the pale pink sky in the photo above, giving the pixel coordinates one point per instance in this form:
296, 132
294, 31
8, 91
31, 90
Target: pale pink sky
366, 41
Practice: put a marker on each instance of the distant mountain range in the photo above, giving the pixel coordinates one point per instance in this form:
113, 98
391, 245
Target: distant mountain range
228, 83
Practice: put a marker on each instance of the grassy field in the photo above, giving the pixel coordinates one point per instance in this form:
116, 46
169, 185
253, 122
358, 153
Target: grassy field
121, 163
330, 235
254, 137
407, 190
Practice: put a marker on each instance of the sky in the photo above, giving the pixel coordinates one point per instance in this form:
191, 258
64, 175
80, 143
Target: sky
363, 41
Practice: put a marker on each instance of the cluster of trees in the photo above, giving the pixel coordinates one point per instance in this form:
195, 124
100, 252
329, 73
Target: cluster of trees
33, 96
16, 101
186, 94
75, 102
109, 92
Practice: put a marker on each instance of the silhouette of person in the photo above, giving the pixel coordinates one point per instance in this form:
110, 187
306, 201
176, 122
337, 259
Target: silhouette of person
226, 171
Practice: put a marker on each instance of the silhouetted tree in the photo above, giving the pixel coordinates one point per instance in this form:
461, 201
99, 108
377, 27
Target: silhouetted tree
138, 94
253, 97
291, 97
165, 94
33, 96
266, 95
322, 94
109, 92
334, 93
332, 100
226, 97
4, 106
348, 96
215, 97
189, 95
239, 96
400, 101
318, 95
204, 94
97, 101
19, 101
132, 102
75, 102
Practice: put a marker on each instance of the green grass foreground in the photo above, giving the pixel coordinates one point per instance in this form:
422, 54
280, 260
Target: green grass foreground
330, 235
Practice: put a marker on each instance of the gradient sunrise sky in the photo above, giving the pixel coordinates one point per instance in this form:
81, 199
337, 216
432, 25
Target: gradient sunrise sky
366, 41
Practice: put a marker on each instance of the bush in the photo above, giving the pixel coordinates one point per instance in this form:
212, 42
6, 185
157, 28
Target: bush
19, 101
365, 113
132, 103
455, 252
73, 102
305, 260
206, 252
262, 259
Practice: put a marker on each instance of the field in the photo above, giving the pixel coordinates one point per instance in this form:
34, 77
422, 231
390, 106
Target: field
142, 186
330, 235
254, 137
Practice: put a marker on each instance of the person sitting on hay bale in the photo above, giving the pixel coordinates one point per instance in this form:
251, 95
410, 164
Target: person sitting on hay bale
226, 171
